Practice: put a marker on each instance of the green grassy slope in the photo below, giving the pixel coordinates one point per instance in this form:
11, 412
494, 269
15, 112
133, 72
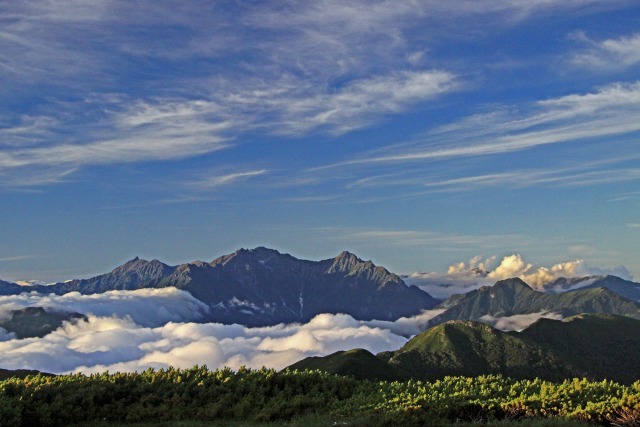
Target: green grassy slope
595, 346
357, 363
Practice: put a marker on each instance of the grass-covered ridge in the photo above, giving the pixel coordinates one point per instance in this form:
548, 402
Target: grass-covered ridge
595, 346
258, 396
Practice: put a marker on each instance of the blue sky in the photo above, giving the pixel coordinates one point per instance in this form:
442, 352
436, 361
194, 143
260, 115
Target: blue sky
413, 133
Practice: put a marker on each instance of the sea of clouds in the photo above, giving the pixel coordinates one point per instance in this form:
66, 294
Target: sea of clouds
158, 328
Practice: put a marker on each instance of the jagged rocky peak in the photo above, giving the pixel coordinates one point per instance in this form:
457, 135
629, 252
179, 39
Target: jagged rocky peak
139, 270
347, 261
259, 254
137, 263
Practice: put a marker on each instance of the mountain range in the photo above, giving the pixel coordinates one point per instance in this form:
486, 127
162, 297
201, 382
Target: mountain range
593, 346
261, 287
514, 297
625, 288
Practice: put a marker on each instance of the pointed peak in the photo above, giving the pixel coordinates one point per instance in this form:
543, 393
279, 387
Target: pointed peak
139, 264
257, 254
346, 255
346, 261
132, 262
514, 282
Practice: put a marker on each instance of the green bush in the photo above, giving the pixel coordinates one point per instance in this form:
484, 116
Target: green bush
264, 395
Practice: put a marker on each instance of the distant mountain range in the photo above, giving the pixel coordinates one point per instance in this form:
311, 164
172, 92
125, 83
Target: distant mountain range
625, 288
514, 297
261, 287
595, 346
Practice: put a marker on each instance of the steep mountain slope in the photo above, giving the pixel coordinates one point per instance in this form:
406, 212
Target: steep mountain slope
595, 346
625, 288
470, 348
134, 274
605, 344
513, 296
261, 287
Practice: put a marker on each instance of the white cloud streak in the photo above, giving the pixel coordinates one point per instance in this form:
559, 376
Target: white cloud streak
413, 238
312, 70
166, 129
213, 182
518, 322
611, 110
610, 54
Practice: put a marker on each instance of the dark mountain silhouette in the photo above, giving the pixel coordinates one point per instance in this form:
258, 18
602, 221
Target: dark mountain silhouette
262, 286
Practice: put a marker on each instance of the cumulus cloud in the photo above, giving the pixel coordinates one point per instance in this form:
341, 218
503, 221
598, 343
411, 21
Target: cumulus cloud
541, 277
464, 276
461, 277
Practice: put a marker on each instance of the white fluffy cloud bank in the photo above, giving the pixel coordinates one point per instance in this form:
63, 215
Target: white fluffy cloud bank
119, 344
146, 307
466, 276
156, 328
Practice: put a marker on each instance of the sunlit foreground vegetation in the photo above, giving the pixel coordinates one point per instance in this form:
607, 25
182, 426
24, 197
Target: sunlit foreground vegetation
264, 396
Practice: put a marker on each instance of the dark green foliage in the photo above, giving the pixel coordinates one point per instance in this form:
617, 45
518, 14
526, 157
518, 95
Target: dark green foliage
471, 349
298, 398
595, 346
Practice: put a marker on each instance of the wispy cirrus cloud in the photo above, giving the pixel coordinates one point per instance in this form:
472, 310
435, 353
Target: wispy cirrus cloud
16, 258
425, 239
609, 54
316, 67
611, 110
216, 181
423, 182
163, 129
